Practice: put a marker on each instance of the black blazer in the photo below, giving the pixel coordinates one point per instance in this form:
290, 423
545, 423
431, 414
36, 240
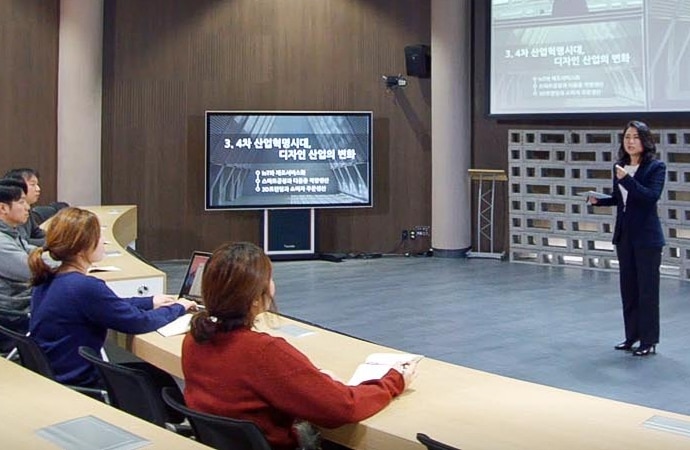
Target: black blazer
640, 214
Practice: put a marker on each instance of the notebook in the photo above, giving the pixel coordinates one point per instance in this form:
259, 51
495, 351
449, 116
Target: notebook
191, 284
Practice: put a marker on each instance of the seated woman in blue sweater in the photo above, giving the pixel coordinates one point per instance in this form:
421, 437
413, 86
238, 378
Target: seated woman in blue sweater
70, 309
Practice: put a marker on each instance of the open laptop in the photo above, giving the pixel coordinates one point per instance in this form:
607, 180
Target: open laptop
191, 284
191, 290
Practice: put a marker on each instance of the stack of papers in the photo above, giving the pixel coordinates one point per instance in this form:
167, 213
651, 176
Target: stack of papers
595, 194
378, 364
95, 269
295, 330
178, 326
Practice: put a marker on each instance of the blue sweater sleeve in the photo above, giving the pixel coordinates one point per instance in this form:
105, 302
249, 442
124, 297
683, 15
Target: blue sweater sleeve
144, 303
102, 306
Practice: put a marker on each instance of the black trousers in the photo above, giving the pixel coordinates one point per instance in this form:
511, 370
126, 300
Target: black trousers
639, 284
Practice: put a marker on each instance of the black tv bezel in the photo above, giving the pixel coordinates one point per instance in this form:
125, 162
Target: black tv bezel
558, 116
370, 204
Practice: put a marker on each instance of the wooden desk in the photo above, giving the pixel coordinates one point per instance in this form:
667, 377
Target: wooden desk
466, 408
119, 229
29, 402
463, 407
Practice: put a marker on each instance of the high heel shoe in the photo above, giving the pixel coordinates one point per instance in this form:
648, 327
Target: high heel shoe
644, 350
625, 345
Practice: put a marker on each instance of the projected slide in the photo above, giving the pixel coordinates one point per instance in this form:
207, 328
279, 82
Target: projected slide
258, 160
589, 56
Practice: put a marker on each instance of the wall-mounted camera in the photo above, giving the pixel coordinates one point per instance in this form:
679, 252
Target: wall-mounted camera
394, 81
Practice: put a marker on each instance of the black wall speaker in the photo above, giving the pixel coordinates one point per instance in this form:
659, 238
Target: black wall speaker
418, 60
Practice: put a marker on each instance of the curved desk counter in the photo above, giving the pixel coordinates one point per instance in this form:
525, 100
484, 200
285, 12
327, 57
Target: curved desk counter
462, 407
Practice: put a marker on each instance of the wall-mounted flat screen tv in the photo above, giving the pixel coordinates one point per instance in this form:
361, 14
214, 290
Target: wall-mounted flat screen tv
288, 159
589, 56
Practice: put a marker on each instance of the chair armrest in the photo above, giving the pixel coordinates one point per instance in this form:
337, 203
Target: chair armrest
183, 428
98, 394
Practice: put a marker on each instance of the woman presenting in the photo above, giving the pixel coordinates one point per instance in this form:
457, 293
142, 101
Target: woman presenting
638, 180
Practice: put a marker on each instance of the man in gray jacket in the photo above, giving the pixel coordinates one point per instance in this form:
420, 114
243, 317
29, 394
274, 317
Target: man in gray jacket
30, 230
15, 276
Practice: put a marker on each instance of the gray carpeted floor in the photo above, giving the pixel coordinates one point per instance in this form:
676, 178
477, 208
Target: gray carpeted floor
549, 325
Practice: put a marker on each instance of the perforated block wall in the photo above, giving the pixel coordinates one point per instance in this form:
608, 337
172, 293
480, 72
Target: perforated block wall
551, 224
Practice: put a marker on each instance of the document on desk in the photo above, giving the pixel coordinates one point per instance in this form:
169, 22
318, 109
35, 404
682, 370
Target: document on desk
91, 433
178, 326
595, 194
295, 330
378, 364
95, 269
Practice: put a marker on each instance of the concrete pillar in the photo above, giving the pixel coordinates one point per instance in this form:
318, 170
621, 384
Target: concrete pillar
79, 102
451, 115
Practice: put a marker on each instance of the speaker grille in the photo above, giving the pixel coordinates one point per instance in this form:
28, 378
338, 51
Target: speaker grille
418, 60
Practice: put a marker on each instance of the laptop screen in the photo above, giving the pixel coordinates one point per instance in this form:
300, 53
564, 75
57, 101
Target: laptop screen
191, 285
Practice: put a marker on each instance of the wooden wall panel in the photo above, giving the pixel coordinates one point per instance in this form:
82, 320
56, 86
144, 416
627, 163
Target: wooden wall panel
28, 88
167, 61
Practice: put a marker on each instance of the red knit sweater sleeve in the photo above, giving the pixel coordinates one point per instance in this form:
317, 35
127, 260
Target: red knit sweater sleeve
292, 384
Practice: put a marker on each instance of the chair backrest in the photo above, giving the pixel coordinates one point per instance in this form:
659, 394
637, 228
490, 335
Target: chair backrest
129, 389
432, 444
31, 355
42, 213
17, 321
221, 433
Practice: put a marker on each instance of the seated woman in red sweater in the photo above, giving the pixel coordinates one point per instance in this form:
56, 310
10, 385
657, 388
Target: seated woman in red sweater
231, 370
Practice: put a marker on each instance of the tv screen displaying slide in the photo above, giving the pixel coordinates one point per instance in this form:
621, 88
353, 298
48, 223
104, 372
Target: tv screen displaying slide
291, 159
589, 56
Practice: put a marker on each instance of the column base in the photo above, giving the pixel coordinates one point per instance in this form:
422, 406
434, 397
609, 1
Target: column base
454, 253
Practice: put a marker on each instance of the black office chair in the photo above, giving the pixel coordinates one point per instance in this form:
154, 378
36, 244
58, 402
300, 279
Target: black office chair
33, 358
12, 320
432, 444
133, 389
41, 213
221, 433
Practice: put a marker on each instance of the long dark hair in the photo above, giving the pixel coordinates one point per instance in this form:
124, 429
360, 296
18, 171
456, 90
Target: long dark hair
646, 138
236, 276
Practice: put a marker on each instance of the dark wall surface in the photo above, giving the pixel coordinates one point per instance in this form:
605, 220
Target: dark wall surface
168, 61
28, 88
